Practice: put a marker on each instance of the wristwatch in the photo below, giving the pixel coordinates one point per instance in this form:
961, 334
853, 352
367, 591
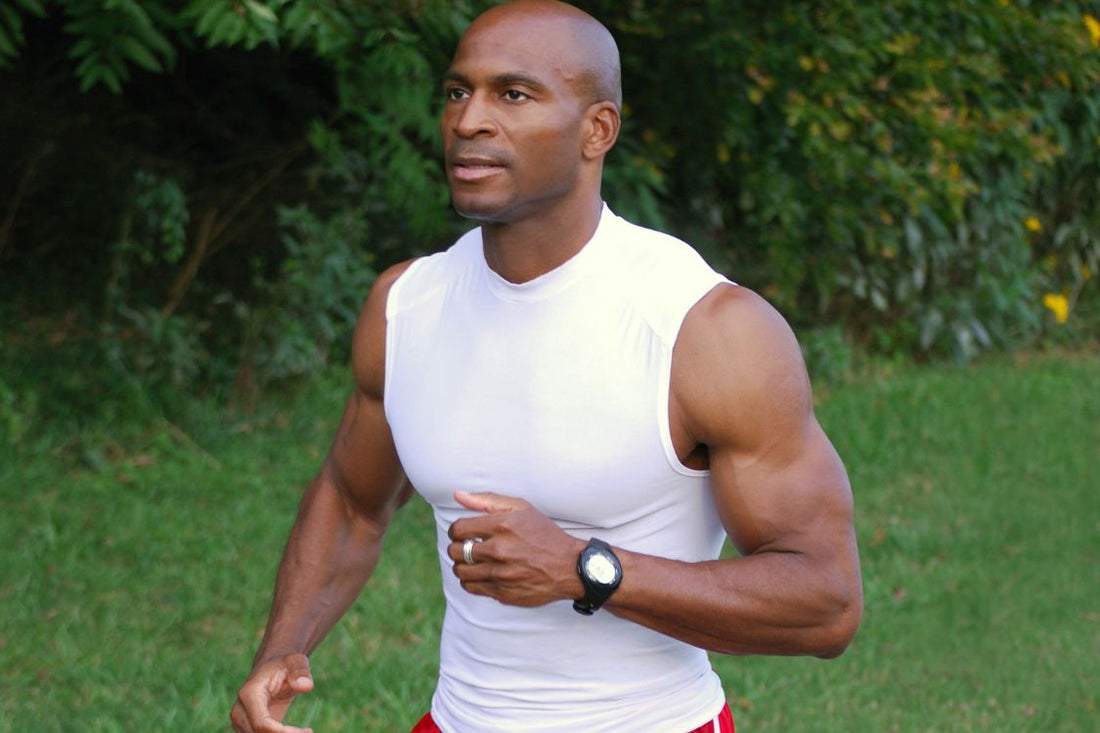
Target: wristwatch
601, 574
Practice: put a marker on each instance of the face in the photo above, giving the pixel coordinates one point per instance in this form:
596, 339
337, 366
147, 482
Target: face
513, 121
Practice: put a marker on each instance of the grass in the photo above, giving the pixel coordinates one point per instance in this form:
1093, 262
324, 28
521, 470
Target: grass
137, 567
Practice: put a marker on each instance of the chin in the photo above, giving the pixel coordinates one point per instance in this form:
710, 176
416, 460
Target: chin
478, 210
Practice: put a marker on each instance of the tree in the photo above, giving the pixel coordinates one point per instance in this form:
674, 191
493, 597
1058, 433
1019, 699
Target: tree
204, 190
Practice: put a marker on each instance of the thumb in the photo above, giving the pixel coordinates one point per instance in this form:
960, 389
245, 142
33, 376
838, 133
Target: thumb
488, 502
298, 674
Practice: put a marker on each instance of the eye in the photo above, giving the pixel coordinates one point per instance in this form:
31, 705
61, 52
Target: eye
455, 94
515, 95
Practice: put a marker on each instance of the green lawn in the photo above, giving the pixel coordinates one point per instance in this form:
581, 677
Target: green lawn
137, 564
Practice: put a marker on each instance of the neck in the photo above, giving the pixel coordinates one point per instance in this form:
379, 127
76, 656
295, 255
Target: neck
522, 250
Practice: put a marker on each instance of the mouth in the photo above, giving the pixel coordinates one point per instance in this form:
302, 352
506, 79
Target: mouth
473, 168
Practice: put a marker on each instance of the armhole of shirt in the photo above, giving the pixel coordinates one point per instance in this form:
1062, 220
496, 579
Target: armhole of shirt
393, 307
664, 396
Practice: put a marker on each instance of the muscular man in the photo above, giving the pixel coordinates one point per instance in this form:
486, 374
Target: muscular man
591, 411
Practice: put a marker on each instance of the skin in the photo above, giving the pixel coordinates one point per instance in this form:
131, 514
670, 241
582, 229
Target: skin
530, 115
532, 109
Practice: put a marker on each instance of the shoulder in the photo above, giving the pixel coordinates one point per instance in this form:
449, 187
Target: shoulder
737, 365
735, 317
424, 280
417, 278
368, 348
652, 249
664, 276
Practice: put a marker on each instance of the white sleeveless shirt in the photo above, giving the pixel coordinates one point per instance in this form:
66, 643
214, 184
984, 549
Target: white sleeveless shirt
555, 390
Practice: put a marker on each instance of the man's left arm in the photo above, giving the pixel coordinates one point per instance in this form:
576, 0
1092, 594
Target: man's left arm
739, 387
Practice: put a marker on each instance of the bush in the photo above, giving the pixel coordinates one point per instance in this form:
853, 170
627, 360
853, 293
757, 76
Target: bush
303, 319
212, 195
878, 164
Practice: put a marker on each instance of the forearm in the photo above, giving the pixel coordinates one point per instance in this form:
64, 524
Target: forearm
329, 556
767, 603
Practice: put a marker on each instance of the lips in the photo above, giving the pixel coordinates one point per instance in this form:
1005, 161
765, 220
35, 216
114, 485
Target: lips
471, 168
469, 173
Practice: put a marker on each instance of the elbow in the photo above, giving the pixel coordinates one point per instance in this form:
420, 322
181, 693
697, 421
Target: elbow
837, 633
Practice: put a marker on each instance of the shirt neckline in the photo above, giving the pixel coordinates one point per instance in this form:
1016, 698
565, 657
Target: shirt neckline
556, 280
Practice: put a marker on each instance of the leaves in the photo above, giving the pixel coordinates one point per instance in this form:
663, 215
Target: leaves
874, 157
111, 35
245, 22
11, 26
872, 165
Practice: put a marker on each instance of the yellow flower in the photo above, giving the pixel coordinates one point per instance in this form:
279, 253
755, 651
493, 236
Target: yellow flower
1032, 224
1094, 29
756, 95
1058, 305
841, 131
806, 63
723, 153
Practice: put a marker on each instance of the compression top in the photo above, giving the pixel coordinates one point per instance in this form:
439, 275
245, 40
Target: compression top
555, 390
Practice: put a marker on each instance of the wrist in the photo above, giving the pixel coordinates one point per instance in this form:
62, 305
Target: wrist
600, 573
267, 656
571, 587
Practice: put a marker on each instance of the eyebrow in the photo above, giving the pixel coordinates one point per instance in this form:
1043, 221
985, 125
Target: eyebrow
504, 79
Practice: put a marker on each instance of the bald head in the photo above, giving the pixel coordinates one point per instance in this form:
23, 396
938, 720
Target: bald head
586, 52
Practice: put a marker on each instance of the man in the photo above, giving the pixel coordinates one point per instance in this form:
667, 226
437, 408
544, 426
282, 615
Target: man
590, 410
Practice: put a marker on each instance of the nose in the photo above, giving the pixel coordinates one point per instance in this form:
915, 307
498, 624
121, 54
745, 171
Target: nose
472, 117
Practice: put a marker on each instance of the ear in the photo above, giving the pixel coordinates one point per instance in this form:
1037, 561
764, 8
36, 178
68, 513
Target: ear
603, 123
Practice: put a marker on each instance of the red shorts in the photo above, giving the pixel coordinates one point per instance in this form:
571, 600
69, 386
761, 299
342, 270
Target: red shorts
722, 724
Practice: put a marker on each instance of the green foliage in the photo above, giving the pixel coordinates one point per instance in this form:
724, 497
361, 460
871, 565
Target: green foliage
18, 408
909, 177
304, 317
113, 34
11, 26
144, 345
829, 357
876, 163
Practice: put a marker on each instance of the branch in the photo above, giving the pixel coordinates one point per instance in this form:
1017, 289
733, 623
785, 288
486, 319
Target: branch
20, 191
213, 227
191, 267
257, 186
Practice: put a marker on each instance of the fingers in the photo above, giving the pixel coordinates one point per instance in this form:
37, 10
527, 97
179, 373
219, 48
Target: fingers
484, 525
511, 551
266, 695
266, 724
467, 551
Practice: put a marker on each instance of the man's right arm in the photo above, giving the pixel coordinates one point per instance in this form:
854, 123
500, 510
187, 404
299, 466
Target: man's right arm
337, 537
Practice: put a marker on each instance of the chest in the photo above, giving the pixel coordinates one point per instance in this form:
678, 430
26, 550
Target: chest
559, 403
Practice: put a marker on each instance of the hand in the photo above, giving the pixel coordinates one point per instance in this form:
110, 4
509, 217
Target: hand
523, 558
268, 692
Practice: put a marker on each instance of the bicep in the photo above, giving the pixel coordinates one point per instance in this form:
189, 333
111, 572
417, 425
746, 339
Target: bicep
363, 461
794, 499
778, 483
